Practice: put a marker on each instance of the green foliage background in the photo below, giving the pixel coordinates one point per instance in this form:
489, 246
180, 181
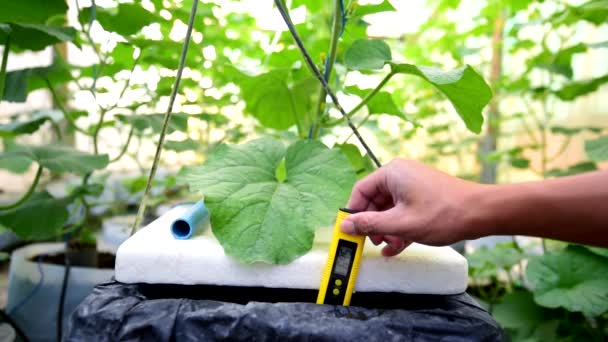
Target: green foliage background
430, 88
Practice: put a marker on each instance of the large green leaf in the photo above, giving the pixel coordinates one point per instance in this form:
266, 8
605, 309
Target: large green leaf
597, 149
30, 125
486, 262
599, 251
305, 97
37, 36
40, 217
575, 89
31, 11
367, 54
125, 19
464, 87
14, 164
58, 158
594, 11
4, 29
574, 279
257, 217
517, 310
269, 99
20, 82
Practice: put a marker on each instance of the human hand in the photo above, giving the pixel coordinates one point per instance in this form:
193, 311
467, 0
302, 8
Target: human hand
406, 201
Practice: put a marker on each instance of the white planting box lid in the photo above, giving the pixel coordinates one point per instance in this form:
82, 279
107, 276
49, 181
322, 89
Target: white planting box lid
153, 256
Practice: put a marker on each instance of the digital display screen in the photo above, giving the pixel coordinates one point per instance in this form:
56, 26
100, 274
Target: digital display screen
343, 261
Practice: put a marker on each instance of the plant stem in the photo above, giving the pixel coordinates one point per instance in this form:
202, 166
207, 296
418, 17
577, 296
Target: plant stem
336, 29
57, 130
363, 122
561, 150
127, 83
27, 195
69, 119
161, 139
125, 147
489, 143
7, 47
97, 130
365, 100
105, 110
371, 94
321, 79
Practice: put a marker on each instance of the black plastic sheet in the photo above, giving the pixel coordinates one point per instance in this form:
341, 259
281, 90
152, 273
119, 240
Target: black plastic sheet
131, 312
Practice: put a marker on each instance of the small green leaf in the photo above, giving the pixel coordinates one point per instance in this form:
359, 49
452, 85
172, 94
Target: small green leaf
437, 129
217, 119
90, 189
311, 5
59, 158
574, 279
182, 146
125, 19
572, 170
30, 125
154, 122
281, 172
360, 163
574, 130
560, 62
597, 149
384, 6
381, 103
575, 89
366, 54
467, 91
41, 217
519, 163
258, 218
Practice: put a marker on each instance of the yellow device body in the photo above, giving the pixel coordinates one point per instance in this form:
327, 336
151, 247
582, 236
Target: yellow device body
342, 266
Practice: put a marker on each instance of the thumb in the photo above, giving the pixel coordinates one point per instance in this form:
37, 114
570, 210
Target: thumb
373, 223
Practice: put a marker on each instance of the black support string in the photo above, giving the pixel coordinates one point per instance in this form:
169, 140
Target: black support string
321, 79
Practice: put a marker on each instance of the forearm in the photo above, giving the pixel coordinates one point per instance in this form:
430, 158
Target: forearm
572, 209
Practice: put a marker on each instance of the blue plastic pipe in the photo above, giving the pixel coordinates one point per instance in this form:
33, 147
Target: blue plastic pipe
193, 222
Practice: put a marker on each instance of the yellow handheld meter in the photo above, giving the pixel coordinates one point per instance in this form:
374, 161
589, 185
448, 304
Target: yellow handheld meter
343, 259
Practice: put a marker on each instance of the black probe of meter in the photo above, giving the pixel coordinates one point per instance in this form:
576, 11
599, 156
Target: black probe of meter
345, 251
